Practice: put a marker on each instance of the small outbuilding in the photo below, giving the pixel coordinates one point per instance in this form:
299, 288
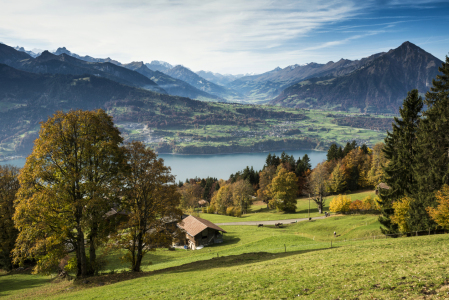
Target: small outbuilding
200, 232
203, 203
381, 186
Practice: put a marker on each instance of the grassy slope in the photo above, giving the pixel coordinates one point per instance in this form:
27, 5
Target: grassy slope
261, 213
385, 268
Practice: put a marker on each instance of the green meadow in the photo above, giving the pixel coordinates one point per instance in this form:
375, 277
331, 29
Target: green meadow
269, 263
260, 212
301, 259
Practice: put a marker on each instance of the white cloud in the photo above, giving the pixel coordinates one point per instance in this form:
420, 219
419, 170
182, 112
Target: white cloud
223, 36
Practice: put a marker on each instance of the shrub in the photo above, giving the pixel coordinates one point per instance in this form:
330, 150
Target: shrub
340, 203
356, 206
440, 214
401, 216
237, 212
230, 211
204, 209
210, 209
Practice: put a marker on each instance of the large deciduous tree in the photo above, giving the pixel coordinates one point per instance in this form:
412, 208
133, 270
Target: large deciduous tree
283, 190
319, 184
9, 185
152, 200
67, 185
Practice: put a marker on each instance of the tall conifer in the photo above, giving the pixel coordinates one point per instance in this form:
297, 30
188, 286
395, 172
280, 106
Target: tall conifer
432, 165
400, 149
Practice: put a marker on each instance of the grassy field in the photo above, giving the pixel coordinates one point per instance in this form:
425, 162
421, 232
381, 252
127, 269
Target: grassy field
252, 263
262, 213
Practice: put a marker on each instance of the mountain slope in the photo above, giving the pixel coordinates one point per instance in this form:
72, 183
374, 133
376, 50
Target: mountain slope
157, 65
63, 50
172, 85
11, 57
379, 86
29, 98
193, 79
65, 64
270, 84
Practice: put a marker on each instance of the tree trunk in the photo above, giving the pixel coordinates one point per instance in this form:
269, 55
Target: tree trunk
320, 205
139, 254
92, 253
81, 257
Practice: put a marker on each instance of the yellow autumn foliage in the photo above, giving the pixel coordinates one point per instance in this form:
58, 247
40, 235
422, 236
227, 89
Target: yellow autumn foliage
340, 203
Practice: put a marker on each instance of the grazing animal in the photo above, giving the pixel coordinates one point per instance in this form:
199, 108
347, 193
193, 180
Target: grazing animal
260, 225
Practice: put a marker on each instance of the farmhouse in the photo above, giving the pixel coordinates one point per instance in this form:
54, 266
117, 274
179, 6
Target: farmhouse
200, 232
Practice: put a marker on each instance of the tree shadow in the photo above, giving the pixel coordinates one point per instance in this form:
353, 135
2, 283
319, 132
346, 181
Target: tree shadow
9, 282
207, 264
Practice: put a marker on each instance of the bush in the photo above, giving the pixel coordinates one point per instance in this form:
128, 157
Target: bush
204, 209
210, 209
237, 212
340, 203
230, 211
356, 206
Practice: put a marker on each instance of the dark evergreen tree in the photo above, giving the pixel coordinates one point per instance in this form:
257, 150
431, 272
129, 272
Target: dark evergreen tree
348, 148
432, 165
400, 148
303, 165
332, 153
340, 153
364, 149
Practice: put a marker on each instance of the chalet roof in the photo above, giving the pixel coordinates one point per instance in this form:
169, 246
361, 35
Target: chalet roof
202, 202
383, 186
115, 211
195, 225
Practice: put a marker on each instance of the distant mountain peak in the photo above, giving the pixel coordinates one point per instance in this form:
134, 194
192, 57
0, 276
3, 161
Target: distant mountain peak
62, 50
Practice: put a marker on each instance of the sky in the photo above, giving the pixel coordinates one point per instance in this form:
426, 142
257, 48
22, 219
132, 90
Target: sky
228, 37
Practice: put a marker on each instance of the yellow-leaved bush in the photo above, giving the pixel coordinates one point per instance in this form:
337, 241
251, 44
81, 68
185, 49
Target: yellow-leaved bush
341, 203
440, 214
400, 216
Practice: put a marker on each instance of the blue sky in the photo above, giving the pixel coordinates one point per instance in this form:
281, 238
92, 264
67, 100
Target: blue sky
233, 36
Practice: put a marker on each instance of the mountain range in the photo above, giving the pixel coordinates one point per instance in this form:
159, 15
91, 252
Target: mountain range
377, 83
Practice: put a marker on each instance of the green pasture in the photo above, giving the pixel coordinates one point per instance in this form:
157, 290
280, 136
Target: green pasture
262, 213
252, 264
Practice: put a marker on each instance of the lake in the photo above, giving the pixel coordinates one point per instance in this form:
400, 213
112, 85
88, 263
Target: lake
218, 165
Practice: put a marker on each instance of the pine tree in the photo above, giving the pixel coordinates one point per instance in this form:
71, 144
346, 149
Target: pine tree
432, 165
400, 149
332, 153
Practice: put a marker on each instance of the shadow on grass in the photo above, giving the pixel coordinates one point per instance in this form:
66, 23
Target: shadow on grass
208, 264
15, 281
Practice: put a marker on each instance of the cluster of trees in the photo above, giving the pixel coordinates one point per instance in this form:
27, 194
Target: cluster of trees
195, 189
344, 204
62, 200
418, 151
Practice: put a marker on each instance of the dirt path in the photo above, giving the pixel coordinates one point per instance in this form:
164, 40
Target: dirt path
269, 222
